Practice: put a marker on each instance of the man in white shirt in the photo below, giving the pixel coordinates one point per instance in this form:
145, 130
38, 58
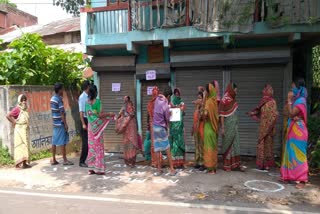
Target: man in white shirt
84, 123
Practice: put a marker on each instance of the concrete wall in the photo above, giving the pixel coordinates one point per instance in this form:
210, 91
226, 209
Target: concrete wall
40, 114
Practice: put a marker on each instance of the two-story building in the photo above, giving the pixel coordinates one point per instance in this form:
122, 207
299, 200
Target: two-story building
192, 42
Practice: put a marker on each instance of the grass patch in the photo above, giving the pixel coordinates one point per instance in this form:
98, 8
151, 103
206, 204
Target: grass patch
5, 158
41, 155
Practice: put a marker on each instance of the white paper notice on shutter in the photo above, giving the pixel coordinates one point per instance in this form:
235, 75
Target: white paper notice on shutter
151, 75
116, 87
149, 90
175, 115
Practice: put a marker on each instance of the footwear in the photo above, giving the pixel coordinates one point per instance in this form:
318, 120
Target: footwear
91, 172
26, 166
53, 163
173, 173
202, 168
100, 173
83, 165
68, 163
157, 174
197, 166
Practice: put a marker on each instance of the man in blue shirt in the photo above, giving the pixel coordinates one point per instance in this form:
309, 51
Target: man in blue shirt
60, 136
84, 123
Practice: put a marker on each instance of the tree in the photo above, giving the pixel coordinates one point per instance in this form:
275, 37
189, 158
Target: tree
71, 6
8, 2
31, 62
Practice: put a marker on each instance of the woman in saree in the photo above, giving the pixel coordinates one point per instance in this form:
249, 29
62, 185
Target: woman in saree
130, 134
19, 117
294, 165
266, 112
150, 107
97, 122
229, 129
211, 115
198, 131
177, 132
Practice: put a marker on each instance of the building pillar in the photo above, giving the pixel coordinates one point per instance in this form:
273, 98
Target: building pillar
138, 96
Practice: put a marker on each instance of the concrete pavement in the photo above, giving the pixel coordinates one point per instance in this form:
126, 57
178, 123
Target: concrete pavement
254, 189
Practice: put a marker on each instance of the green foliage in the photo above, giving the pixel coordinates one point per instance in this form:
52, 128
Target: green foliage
315, 157
71, 6
314, 141
32, 62
41, 155
316, 65
5, 158
8, 2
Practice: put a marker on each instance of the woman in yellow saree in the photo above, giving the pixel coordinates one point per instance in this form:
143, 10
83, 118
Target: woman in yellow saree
19, 117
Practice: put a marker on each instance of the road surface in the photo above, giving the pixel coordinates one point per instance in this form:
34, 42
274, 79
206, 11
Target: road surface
17, 202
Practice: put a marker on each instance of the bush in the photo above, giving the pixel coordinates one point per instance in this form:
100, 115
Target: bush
5, 158
40, 155
314, 142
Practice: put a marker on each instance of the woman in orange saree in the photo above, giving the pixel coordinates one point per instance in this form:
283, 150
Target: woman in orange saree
211, 128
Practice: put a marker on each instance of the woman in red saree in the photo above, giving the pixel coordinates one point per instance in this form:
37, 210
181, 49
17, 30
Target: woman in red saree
150, 107
130, 134
198, 131
267, 114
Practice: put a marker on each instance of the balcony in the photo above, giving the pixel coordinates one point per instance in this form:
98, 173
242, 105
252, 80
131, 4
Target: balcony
124, 21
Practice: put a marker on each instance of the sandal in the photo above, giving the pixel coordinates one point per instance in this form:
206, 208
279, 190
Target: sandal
100, 173
53, 163
157, 174
68, 163
172, 174
91, 172
26, 166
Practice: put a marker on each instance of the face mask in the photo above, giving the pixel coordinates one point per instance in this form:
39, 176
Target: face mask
295, 91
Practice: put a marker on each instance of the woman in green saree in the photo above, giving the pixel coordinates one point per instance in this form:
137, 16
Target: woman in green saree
229, 129
211, 128
177, 144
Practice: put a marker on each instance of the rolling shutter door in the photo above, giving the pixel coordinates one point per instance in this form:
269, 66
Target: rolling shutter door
251, 81
113, 101
188, 80
146, 98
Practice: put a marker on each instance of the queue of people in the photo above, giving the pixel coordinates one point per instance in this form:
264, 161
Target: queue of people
212, 116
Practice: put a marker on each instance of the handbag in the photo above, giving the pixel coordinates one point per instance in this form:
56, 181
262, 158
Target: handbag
121, 124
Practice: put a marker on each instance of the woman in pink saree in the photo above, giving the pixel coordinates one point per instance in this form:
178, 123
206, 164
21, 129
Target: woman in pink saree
294, 165
97, 122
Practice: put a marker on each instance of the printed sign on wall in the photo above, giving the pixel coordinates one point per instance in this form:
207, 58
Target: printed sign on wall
149, 90
116, 87
151, 75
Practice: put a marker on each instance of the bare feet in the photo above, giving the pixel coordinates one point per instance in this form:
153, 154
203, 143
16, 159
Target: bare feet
212, 172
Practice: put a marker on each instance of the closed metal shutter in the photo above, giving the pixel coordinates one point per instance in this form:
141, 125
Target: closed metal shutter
113, 101
188, 80
251, 81
146, 98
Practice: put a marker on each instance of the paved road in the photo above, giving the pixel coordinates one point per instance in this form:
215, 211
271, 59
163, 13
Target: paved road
15, 202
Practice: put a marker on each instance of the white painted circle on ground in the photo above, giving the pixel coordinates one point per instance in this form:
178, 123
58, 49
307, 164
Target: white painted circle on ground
260, 170
264, 186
